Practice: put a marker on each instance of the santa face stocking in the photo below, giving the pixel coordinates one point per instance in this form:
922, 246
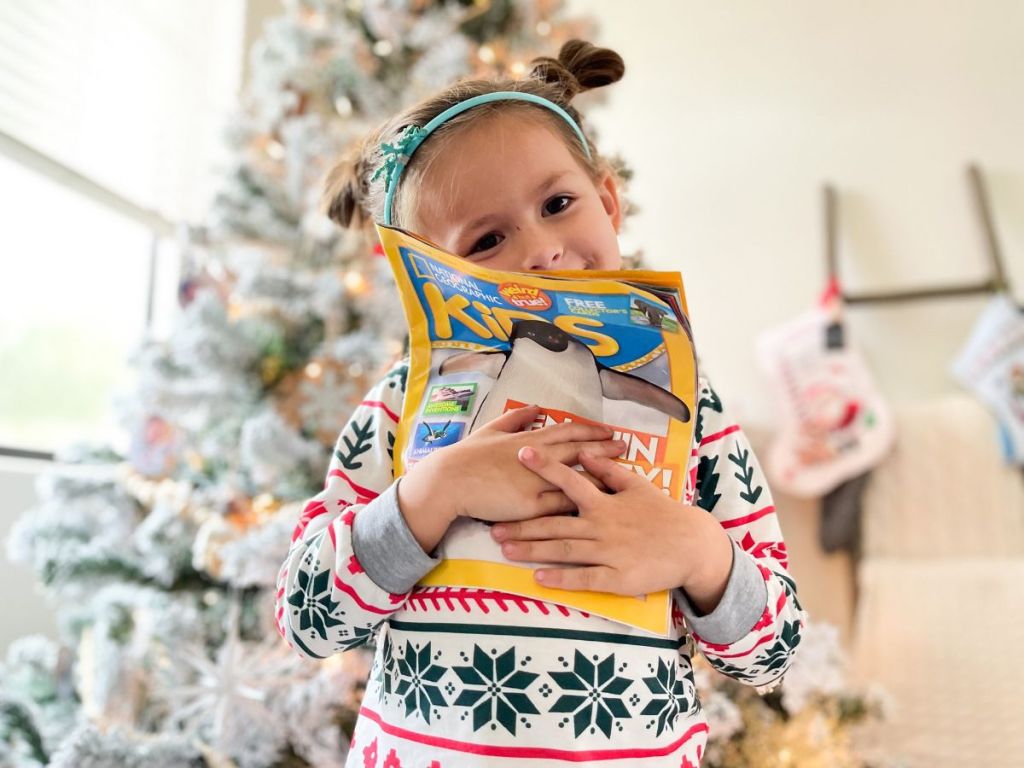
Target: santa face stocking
834, 424
991, 364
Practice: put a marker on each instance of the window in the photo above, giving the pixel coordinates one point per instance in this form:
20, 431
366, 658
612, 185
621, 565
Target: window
111, 116
131, 94
73, 302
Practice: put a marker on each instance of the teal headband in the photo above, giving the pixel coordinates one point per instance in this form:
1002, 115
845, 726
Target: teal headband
397, 156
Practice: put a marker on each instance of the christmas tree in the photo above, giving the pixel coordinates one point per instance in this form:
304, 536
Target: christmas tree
160, 559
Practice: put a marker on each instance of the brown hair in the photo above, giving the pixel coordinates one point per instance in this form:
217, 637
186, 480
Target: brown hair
352, 199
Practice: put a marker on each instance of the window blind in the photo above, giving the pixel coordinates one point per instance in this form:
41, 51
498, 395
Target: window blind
129, 93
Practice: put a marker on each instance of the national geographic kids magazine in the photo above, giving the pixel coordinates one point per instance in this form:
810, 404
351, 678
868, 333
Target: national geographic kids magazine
609, 347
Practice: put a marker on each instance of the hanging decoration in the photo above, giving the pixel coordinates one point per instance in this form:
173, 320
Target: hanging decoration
834, 422
991, 364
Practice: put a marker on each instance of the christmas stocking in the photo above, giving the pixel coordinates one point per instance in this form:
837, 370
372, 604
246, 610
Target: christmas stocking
834, 423
991, 364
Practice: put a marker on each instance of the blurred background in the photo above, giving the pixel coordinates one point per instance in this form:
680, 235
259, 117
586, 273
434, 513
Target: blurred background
182, 335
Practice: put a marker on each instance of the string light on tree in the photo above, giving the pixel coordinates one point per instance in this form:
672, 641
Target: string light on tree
355, 282
274, 149
343, 106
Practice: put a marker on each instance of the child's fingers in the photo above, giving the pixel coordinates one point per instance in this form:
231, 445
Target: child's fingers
597, 578
591, 479
514, 420
541, 528
612, 474
538, 461
569, 431
554, 503
582, 551
569, 453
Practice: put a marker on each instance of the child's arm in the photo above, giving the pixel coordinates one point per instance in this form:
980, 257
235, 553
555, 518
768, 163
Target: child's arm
636, 540
356, 554
752, 633
337, 584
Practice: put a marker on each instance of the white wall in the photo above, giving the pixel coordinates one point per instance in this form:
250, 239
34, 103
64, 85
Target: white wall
734, 114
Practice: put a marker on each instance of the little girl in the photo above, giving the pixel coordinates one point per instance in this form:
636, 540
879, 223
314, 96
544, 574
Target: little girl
468, 677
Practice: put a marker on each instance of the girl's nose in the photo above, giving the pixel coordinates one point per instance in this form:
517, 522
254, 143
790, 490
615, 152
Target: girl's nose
549, 259
541, 252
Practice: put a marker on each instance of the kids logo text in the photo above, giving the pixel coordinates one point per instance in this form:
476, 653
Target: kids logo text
470, 311
494, 322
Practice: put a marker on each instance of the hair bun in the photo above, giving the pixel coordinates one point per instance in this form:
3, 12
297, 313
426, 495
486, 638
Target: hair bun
345, 188
580, 66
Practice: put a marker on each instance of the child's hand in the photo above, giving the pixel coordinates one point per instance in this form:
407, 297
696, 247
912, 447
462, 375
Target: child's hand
482, 477
634, 540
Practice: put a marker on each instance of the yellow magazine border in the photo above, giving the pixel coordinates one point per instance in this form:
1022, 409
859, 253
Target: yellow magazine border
650, 613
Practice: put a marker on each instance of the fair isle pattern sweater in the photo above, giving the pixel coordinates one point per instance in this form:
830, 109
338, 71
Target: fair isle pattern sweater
471, 677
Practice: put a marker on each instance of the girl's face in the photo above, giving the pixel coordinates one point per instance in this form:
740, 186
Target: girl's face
508, 194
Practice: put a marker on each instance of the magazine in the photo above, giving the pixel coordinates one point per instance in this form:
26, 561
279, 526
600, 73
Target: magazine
605, 347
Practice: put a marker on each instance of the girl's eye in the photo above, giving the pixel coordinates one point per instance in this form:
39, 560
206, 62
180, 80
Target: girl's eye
556, 199
484, 243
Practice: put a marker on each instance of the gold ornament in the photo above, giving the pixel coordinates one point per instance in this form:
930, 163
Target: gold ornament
213, 534
265, 506
270, 369
244, 513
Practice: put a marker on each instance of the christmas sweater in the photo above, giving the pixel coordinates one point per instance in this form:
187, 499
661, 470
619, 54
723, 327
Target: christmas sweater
472, 677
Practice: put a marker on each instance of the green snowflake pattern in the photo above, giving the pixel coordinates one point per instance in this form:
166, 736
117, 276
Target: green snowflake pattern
418, 677
497, 695
776, 658
385, 676
670, 697
359, 636
595, 697
313, 604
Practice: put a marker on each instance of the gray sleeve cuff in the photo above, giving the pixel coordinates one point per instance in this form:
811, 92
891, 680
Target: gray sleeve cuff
386, 548
744, 602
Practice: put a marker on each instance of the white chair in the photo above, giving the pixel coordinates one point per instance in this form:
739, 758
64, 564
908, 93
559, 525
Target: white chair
940, 614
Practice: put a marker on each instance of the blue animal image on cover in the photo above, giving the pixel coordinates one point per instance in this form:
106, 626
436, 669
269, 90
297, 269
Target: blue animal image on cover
431, 435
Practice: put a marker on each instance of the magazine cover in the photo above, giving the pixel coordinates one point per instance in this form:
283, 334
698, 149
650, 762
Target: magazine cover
608, 347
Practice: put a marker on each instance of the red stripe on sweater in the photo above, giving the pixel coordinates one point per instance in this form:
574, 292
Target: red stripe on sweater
359, 601
720, 435
748, 518
760, 642
531, 752
312, 510
365, 494
379, 404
